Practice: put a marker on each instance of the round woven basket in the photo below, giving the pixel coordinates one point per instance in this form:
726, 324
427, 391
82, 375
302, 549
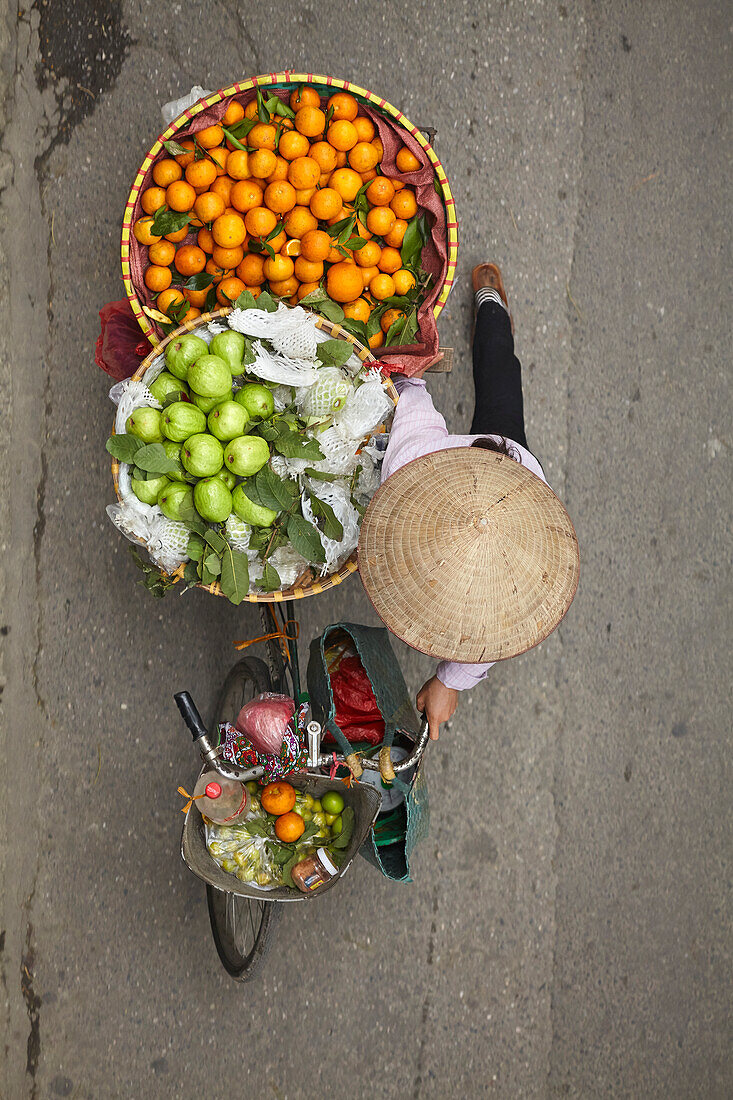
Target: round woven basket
297, 591
285, 80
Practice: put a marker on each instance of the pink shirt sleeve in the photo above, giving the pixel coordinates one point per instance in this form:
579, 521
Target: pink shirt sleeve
418, 429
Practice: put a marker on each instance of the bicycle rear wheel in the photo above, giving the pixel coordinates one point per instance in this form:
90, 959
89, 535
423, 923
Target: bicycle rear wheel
243, 928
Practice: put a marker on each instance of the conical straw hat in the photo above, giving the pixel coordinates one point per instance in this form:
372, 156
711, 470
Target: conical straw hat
468, 556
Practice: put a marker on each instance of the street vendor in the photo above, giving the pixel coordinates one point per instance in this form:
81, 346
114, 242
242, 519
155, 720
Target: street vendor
465, 552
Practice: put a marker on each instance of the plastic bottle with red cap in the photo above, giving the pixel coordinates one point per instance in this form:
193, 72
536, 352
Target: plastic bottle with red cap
221, 800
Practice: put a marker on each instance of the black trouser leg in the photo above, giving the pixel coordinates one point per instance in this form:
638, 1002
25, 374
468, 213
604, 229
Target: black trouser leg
497, 376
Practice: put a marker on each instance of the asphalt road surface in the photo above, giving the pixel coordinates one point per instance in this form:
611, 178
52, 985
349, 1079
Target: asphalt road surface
568, 930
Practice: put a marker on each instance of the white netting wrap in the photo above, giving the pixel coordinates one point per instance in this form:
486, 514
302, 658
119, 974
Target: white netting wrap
168, 546
128, 396
166, 541
274, 367
289, 564
291, 331
338, 497
368, 480
288, 467
338, 453
282, 396
365, 407
329, 393
238, 532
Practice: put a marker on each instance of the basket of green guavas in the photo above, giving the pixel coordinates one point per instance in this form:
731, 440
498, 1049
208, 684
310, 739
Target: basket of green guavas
245, 449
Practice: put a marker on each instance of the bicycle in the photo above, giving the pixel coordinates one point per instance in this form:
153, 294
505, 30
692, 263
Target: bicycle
243, 919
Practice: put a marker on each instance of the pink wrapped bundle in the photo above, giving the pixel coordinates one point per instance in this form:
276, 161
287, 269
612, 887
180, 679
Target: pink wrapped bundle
265, 719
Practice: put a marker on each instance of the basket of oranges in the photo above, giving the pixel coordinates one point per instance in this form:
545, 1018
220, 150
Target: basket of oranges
305, 186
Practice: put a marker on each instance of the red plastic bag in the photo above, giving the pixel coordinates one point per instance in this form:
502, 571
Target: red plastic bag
265, 719
356, 711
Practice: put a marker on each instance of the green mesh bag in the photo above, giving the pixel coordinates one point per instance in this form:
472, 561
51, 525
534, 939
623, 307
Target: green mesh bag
393, 840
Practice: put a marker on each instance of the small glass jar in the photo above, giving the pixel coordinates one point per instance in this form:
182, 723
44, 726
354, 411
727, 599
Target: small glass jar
314, 871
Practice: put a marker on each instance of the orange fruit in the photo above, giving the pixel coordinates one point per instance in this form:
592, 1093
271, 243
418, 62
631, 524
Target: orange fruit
238, 165
376, 340
255, 291
278, 268
293, 144
220, 156
228, 258
304, 172
368, 256
284, 288
380, 191
209, 206
364, 128
262, 136
291, 247
363, 157
162, 253
343, 282
289, 827
280, 172
245, 195
404, 204
184, 159
251, 269
380, 219
369, 273
326, 203
403, 280
389, 318
205, 240
304, 96
358, 310
377, 143
306, 288
229, 231
334, 256
406, 160
223, 185
218, 272
210, 136
308, 271
262, 163
396, 234
260, 221
201, 173
229, 290
250, 111
157, 278
366, 177
178, 235
398, 184
342, 158
342, 135
315, 245
300, 221
141, 231
180, 196
324, 155
190, 259
304, 195
196, 297
390, 260
310, 121
280, 196
168, 298
234, 113
152, 199
192, 312
381, 287
166, 171
344, 106
347, 182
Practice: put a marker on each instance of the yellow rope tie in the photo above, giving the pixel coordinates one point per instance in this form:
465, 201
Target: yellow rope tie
191, 798
281, 634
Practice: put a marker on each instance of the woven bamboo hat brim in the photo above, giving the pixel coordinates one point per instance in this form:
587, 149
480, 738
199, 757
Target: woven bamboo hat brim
468, 556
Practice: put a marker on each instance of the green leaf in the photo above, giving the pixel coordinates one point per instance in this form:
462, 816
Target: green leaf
198, 282
262, 112
373, 325
332, 526
361, 204
249, 488
270, 578
412, 243
267, 302
287, 870
334, 353
281, 853
138, 474
153, 459
246, 300
191, 574
293, 445
258, 828
275, 492
215, 540
234, 575
319, 475
395, 331
409, 332
259, 537
196, 546
305, 539
211, 302
248, 355
355, 243
338, 227
124, 447
212, 564
347, 828
284, 110
320, 302
329, 116
357, 329
174, 148
310, 830
168, 221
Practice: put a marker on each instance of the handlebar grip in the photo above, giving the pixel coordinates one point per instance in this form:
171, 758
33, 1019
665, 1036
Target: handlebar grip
352, 762
386, 769
190, 714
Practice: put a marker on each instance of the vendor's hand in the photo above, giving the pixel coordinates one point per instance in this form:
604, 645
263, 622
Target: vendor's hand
439, 703
436, 359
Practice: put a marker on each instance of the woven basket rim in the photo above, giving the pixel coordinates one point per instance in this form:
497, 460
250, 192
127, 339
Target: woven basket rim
288, 77
294, 591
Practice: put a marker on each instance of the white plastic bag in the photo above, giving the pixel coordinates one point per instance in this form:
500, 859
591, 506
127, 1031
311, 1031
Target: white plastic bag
176, 107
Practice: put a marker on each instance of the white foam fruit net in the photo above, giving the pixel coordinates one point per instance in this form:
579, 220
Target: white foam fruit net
350, 405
